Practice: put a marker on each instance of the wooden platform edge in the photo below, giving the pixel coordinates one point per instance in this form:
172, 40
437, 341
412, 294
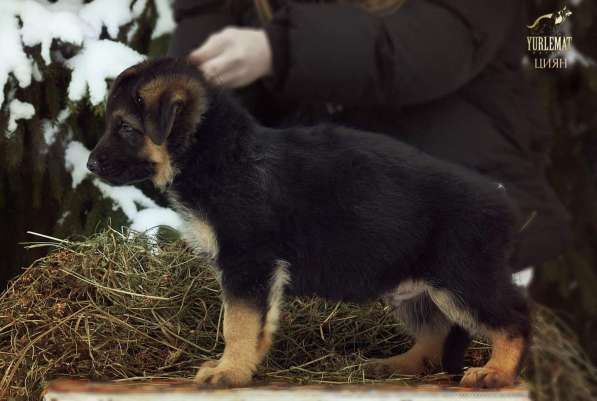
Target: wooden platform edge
78, 390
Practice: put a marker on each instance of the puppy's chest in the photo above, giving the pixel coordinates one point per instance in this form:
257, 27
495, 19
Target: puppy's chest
197, 232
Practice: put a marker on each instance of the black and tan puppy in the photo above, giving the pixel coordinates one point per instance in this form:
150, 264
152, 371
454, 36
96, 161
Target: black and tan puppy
323, 210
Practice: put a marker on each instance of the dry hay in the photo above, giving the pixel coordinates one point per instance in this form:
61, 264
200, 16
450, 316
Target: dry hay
116, 308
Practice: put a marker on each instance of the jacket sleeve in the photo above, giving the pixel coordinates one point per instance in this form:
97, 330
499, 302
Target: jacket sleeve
195, 21
423, 51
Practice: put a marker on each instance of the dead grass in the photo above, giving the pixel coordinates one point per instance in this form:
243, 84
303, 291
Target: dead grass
116, 308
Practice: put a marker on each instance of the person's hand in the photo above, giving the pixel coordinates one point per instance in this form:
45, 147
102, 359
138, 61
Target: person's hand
234, 57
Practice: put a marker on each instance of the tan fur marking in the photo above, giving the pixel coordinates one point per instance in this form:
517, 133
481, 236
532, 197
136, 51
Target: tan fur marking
182, 88
443, 299
280, 279
450, 307
151, 91
164, 173
242, 327
201, 236
426, 352
501, 369
506, 351
248, 337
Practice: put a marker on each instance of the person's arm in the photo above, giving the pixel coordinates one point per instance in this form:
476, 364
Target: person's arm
196, 21
423, 51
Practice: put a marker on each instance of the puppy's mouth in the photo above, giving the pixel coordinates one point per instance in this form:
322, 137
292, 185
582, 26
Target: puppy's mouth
122, 180
131, 175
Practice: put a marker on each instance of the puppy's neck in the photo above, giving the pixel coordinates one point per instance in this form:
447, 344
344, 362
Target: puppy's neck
223, 139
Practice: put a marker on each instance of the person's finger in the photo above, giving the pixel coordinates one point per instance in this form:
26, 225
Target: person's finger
230, 79
235, 77
211, 48
216, 67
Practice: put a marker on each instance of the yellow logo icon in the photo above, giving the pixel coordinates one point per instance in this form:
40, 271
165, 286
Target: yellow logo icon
557, 18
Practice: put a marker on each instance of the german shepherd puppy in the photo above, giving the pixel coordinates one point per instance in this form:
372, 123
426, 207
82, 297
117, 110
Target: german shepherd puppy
325, 210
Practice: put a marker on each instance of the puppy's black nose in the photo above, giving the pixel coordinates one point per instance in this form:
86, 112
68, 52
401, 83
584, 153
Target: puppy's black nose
93, 165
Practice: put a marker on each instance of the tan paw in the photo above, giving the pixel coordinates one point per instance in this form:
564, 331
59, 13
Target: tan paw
223, 376
400, 364
210, 364
486, 377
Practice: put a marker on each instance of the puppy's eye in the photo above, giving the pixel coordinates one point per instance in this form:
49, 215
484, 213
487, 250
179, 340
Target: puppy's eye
139, 100
128, 132
125, 128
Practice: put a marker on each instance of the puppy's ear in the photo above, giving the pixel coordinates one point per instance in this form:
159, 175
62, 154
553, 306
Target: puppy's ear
159, 123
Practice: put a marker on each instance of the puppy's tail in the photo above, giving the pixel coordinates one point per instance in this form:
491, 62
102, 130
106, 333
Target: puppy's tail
455, 346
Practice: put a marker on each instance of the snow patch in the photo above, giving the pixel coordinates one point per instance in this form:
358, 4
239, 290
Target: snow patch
62, 218
145, 215
524, 277
50, 129
165, 22
109, 13
125, 197
69, 21
18, 111
149, 220
98, 61
41, 25
574, 56
14, 60
75, 161
138, 8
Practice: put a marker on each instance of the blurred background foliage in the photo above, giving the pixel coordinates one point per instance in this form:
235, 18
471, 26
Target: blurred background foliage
36, 193
569, 284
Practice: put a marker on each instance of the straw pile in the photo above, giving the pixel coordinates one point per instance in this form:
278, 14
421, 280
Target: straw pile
111, 307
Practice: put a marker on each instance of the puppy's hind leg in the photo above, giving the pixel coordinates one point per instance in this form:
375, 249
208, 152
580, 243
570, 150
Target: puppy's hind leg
430, 330
502, 316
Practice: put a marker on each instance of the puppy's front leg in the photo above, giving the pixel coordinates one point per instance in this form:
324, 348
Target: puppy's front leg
243, 328
248, 332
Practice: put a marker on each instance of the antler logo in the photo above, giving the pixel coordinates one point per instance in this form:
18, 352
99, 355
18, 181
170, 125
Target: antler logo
547, 42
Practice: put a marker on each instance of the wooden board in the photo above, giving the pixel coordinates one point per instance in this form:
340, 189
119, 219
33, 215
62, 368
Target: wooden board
73, 390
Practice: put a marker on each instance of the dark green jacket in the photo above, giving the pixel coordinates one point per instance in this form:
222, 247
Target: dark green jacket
443, 75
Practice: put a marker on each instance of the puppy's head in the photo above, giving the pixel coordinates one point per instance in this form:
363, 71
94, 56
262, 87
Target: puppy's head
153, 109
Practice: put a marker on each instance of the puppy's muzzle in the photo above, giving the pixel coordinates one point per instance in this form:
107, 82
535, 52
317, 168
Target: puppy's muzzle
94, 166
98, 164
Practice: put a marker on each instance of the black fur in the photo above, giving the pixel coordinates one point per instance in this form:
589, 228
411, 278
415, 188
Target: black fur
353, 213
455, 346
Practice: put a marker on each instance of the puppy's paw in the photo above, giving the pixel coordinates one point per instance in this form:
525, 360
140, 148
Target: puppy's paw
400, 364
210, 364
486, 377
219, 375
